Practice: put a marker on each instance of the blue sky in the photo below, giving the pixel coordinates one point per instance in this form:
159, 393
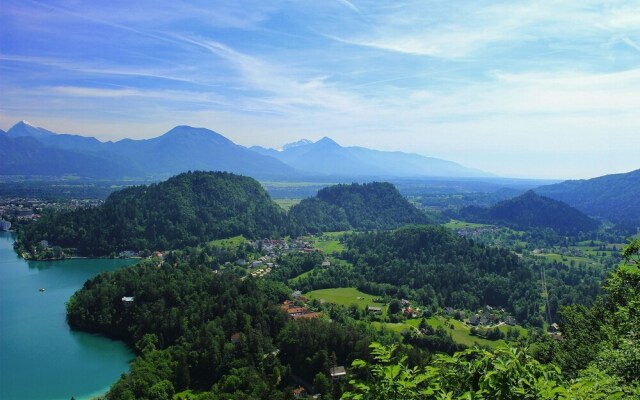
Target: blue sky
547, 89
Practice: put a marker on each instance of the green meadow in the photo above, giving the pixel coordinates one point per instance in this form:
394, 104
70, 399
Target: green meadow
286, 204
345, 297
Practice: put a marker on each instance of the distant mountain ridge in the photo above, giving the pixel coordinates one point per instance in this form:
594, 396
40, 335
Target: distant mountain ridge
614, 197
25, 155
29, 150
326, 157
186, 148
532, 211
23, 128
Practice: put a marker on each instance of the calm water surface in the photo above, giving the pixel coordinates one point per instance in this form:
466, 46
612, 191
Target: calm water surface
40, 357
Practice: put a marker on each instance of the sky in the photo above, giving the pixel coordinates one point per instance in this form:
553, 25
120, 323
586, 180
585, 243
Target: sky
544, 89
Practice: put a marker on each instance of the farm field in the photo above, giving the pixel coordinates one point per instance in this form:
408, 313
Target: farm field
286, 204
231, 243
303, 275
345, 297
329, 242
456, 224
460, 332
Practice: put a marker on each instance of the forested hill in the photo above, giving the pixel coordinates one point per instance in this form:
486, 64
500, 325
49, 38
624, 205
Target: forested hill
187, 209
375, 205
439, 268
614, 197
532, 211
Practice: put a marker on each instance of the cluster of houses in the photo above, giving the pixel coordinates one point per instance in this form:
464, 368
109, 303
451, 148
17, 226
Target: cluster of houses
274, 247
486, 316
261, 267
406, 309
30, 208
129, 254
297, 309
262, 272
271, 246
18, 211
476, 231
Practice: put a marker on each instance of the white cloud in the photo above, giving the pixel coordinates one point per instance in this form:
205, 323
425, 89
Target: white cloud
464, 29
349, 5
459, 79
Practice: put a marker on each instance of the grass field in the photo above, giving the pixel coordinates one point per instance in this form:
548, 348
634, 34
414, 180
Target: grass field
303, 275
230, 243
329, 242
345, 297
397, 328
460, 332
330, 246
279, 184
455, 224
286, 204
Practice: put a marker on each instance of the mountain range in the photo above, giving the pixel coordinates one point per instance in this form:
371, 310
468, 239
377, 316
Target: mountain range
613, 197
327, 157
29, 150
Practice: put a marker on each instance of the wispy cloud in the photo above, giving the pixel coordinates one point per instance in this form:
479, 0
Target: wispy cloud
456, 79
349, 5
102, 69
631, 43
279, 86
464, 29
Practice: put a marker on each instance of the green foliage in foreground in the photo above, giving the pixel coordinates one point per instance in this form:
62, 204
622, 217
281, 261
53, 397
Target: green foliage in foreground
184, 315
503, 374
599, 353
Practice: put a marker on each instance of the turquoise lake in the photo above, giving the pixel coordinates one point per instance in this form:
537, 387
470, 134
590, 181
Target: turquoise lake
40, 357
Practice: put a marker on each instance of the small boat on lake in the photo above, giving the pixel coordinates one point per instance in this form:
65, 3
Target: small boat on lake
41, 289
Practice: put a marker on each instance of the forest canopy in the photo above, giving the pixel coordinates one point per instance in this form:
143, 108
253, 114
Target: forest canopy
185, 210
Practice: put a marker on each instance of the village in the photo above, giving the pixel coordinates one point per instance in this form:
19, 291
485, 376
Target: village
29, 208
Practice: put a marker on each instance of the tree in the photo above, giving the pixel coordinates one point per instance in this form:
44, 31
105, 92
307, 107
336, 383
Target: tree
505, 374
392, 380
631, 252
394, 306
321, 384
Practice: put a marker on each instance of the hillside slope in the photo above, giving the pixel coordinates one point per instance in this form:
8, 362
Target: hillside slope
614, 197
374, 205
185, 210
25, 155
532, 211
444, 269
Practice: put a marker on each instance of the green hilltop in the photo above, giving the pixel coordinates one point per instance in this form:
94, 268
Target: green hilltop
188, 209
376, 205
